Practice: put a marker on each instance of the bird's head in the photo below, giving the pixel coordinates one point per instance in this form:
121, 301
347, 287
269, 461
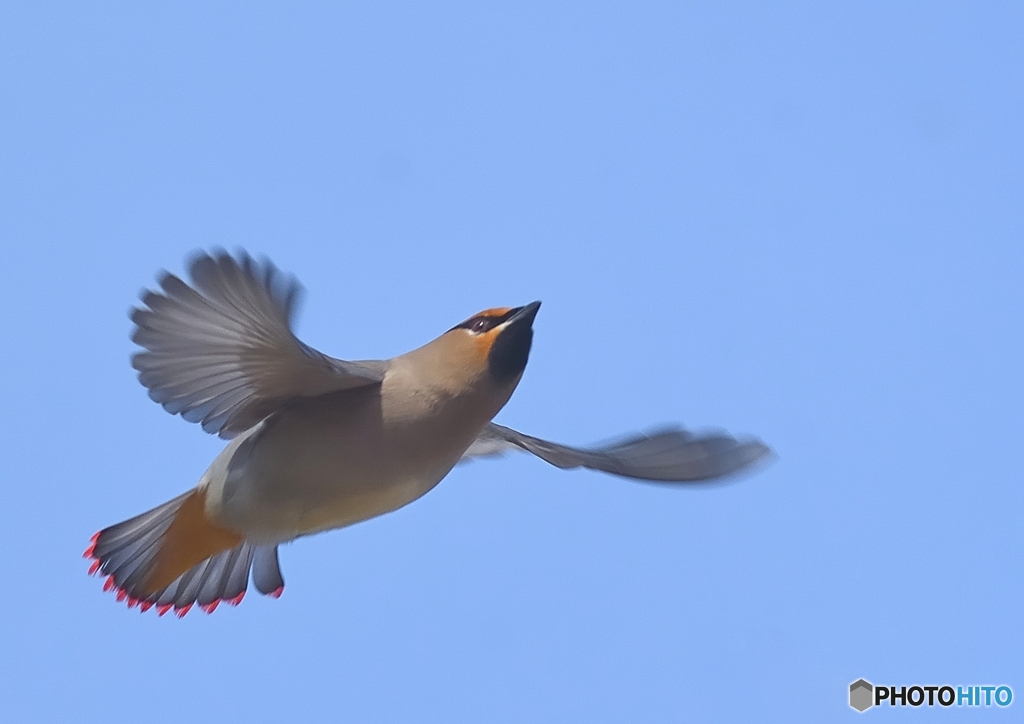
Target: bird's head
496, 341
479, 361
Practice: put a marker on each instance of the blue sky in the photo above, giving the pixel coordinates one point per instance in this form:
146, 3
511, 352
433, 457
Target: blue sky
797, 221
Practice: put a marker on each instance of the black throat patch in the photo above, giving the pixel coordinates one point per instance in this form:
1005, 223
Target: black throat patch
510, 351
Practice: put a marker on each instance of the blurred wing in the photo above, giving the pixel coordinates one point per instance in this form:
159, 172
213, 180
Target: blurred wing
670, 455
221, 351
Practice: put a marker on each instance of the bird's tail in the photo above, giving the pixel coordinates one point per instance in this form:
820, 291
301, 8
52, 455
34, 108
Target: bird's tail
174, 556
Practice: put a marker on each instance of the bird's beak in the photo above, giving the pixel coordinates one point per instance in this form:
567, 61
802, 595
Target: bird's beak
522, 315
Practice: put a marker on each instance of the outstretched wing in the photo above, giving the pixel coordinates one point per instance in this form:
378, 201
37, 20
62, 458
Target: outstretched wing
670, 455
221, 351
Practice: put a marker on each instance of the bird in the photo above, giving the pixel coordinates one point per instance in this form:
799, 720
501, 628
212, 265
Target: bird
317, 443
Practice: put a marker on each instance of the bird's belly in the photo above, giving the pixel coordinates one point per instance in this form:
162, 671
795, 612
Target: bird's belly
347, 505
301, 478
274, 506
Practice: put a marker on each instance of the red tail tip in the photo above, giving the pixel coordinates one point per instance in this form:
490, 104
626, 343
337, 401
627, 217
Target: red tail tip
121, 594
236, 600
161, 610
210, 607
92, 546
94, 567
179, 612
277, 592
109, 585
145, 606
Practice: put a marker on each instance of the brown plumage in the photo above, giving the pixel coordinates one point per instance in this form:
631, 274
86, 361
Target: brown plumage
318, 443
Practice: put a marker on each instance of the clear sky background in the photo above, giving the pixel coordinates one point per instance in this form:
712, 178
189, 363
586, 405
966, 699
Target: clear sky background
800, 222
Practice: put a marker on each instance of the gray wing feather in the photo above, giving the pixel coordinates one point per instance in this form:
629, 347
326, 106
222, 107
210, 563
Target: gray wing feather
669, 455
222, 353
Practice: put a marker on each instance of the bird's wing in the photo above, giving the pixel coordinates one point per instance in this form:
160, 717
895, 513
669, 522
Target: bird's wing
670, 455
221, 351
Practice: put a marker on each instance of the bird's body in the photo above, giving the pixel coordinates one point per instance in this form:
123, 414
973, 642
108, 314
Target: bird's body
318, 443
339, 459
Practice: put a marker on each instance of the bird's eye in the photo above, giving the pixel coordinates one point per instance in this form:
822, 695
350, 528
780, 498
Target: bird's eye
481, 325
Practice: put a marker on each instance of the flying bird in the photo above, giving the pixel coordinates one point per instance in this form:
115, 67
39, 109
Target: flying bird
317, 443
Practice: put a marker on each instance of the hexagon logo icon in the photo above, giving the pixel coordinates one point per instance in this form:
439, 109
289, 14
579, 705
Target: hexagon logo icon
861, 695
